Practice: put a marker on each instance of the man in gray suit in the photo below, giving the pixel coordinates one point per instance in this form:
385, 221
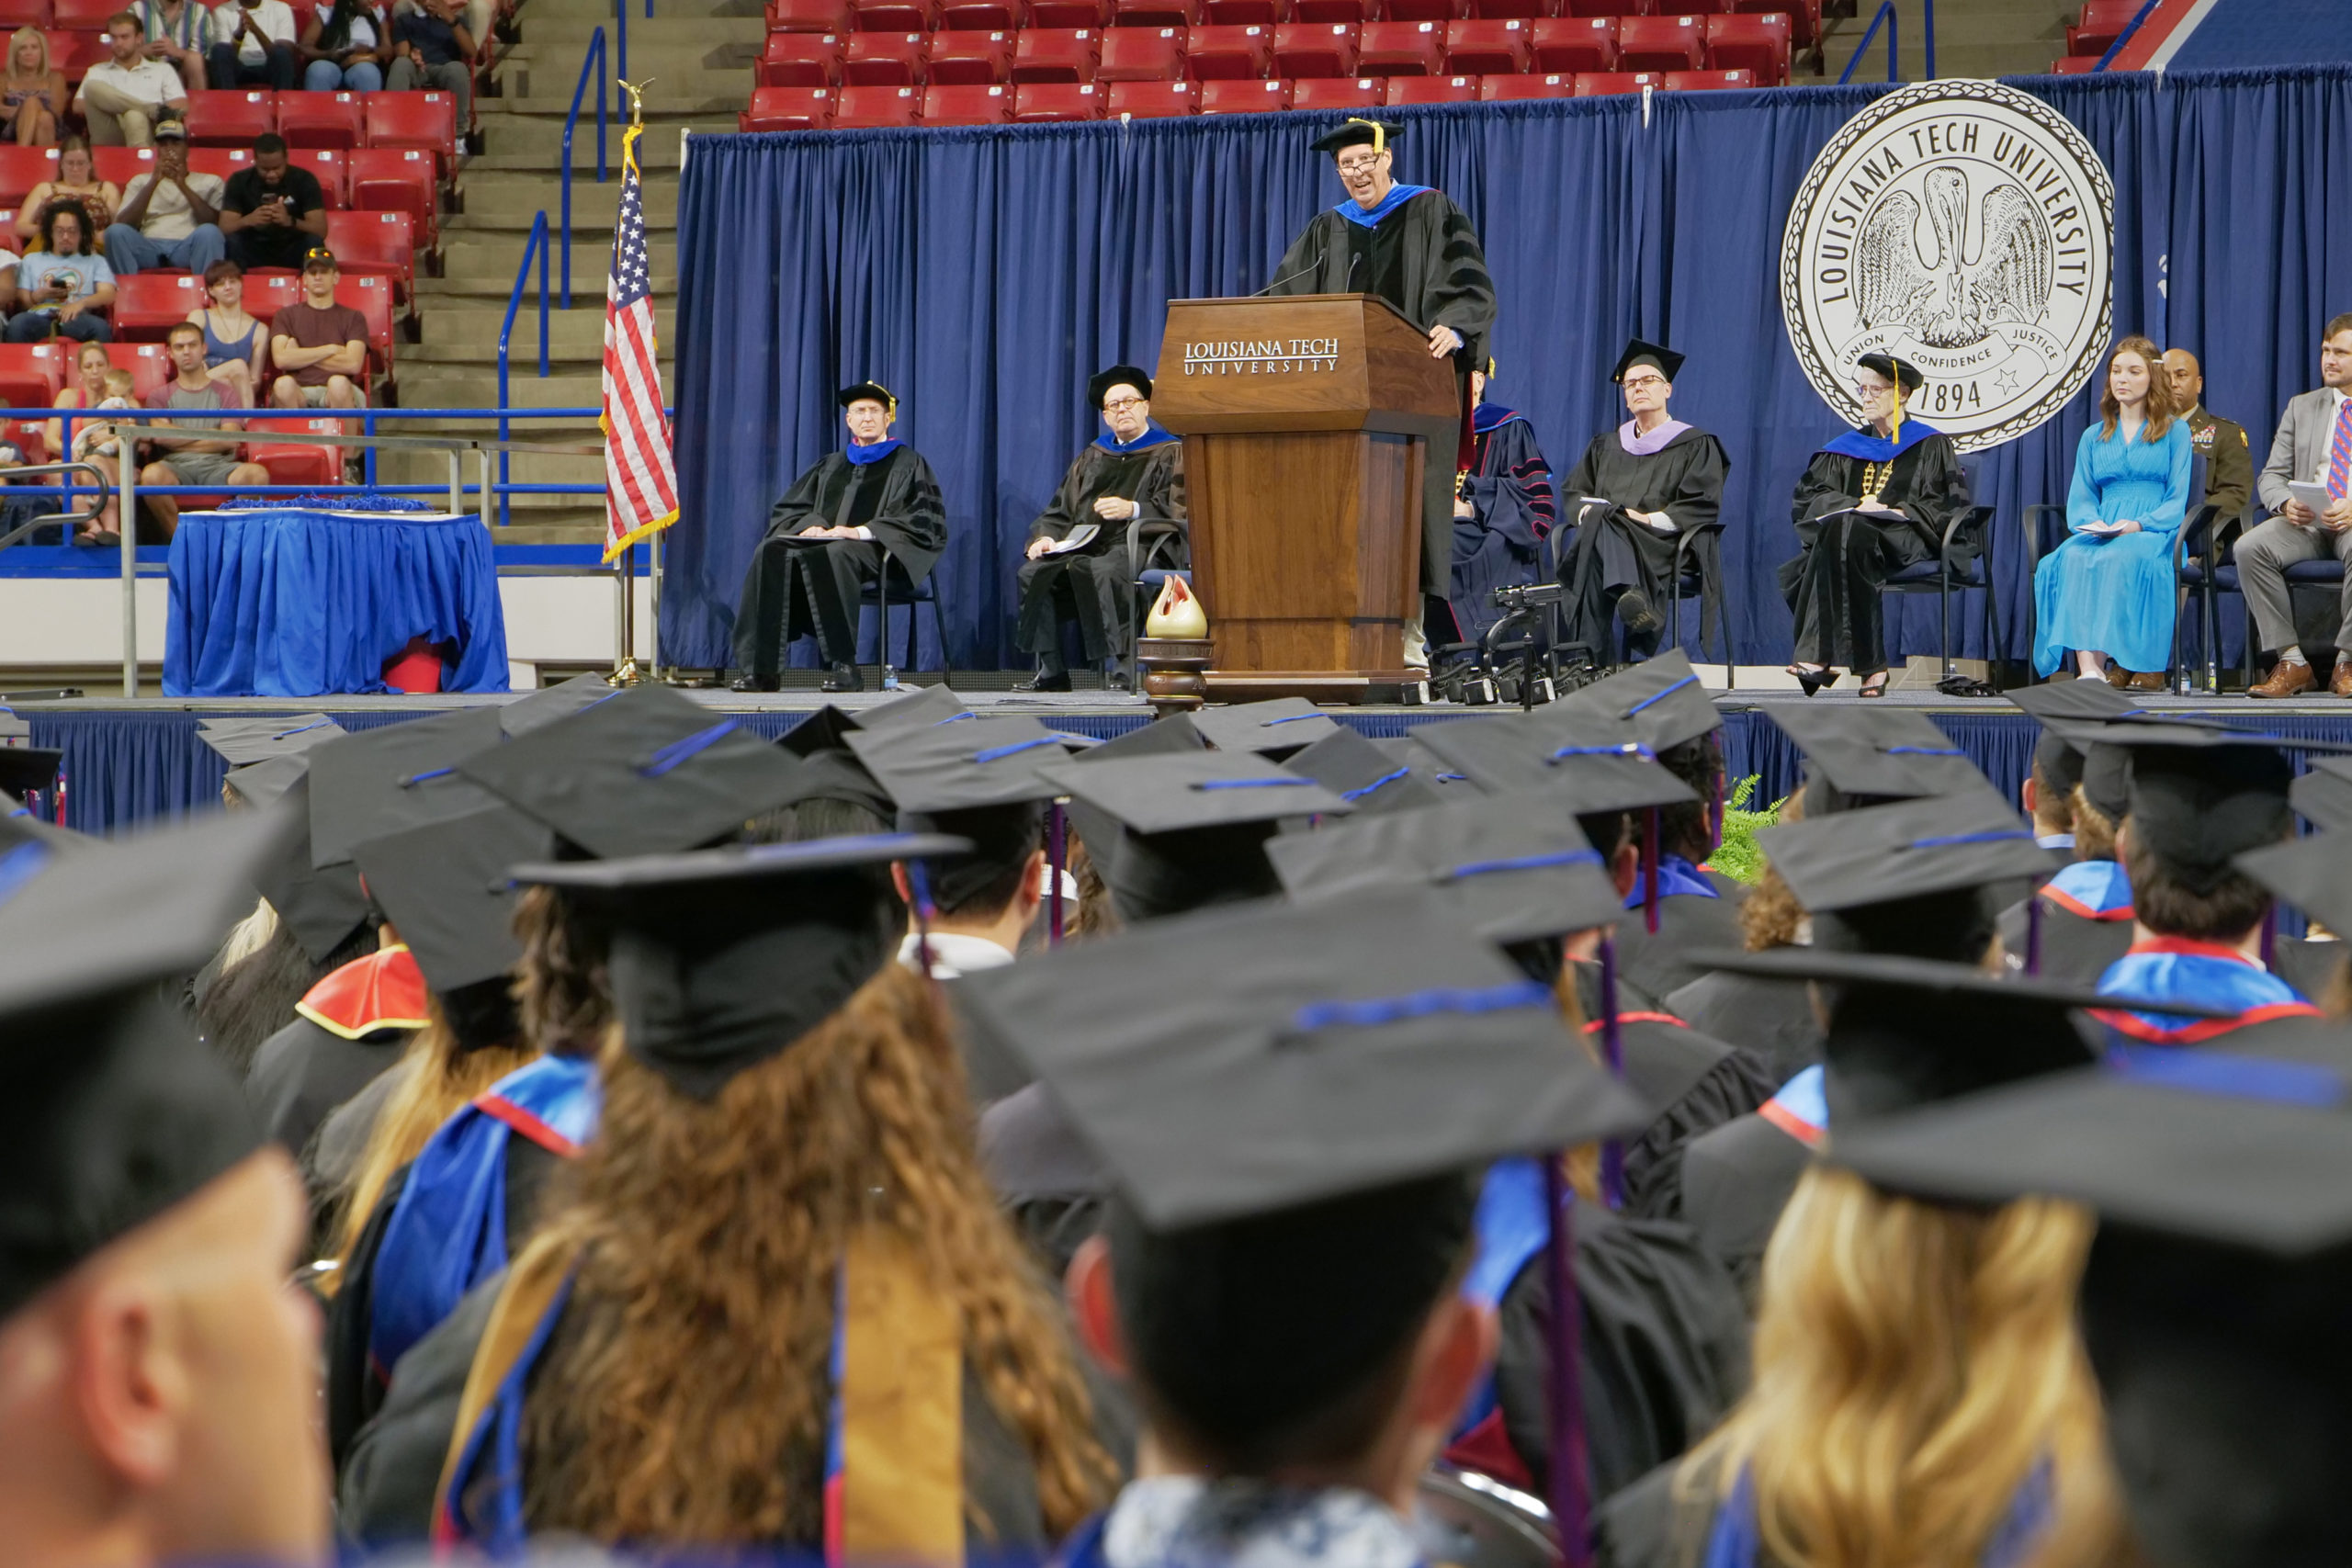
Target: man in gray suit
2314, 445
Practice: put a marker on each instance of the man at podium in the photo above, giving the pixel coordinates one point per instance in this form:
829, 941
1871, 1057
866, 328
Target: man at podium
1413, 247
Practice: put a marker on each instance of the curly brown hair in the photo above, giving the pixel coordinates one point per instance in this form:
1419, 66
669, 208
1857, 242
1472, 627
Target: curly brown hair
686, 1397
1771, 915
2094, 829
560, 980
1095, 914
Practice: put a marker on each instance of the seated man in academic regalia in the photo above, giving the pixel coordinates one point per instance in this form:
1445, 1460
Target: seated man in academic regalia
1077, 556
1634, 494
825, 543
1503, 510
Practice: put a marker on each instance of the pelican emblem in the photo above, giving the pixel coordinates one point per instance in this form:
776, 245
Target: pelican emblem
1946, 301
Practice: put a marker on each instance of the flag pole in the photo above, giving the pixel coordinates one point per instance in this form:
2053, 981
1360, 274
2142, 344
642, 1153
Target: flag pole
625, 668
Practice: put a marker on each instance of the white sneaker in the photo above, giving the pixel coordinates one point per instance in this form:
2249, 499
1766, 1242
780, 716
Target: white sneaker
1417, 644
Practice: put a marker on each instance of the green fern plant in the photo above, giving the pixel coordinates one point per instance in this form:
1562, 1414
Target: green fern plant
1738, 857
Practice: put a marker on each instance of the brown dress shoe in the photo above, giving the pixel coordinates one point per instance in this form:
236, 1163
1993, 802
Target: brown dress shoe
2117, 675
2287, 680
2340, 683
2146, 681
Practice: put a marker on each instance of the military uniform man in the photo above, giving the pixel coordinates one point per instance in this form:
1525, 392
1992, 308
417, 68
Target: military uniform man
2229, 464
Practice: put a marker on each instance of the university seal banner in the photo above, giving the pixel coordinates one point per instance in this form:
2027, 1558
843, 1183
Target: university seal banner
1967, 228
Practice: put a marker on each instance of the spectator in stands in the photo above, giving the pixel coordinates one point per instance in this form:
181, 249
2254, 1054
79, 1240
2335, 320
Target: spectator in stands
169, 218
122, 94
181, 32
98, 438
66, 288
320, 346
344, 44
234, 343
77, 179
256, 47
92, 366
191, 459
33, 93
2313, 446
2229, 465
432, 48
272, 212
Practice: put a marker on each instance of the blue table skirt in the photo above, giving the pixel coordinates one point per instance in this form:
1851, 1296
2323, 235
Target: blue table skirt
289, 603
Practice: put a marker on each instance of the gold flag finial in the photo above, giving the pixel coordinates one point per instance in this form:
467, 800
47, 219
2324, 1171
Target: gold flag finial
636, 91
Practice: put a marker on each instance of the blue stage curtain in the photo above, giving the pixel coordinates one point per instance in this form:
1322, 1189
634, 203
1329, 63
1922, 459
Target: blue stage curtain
983, 273
296, 603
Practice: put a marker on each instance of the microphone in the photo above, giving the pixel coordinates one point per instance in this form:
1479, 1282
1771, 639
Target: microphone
1354, 259
1293, 278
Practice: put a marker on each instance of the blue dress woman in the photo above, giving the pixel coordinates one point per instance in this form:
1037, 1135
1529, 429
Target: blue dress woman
2107, 593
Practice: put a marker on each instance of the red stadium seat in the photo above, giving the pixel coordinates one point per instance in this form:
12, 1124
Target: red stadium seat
1608, 7
122, 164
1606, 84
1707, 81
327, 164
981, 15
1661, 43
1525, 10
220, 161
1230, 54
428, 121
1509, 89
1356, 11
964, 104
2094, 32
323, 119
877, 108
147, 304
1151, 100
31, 438
81, 16
21, 168
1351, 95
788, 108
372, 297
1228, 97
1760, 44
883, 60
1805, 16
1067, 13
380, 243
14, 14
400, 179
1154, 12
1401, 48
230, 119
1316, 48
1424, 10
1141, 54
294, 462
74, 52
1575, 43
1038, 103
1241, 13
801, 60
808, 16
2075, 66
149, 366
968, 59
1056, 55
269, 289
1487, 48
1404, 90
891, 16
32, 374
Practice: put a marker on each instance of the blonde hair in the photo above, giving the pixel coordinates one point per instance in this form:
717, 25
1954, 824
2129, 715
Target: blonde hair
15, 40
1771, 915
2159, 407
2094, 829
1915, 1365
118, 382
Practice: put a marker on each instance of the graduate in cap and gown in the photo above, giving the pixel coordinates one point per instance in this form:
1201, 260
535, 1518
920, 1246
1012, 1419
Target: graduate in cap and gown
1078, 564
1657, 480
876, 493
2078, 921
1873, 502
1503, 510
1410, 246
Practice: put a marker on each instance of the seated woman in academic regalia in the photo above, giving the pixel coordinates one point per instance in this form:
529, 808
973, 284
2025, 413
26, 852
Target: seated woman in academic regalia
1077, 556
778, 1306
1873, 502
824, 545
1502, 509
1659, 479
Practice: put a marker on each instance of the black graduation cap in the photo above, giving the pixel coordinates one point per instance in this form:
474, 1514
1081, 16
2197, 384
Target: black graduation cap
722, 958
1361, 773
1099, 388
2199, 806
1373, 134
444, 887
2324, 794
961, 763
837, 775
1589, 763
1100, 831
922, 705
650, 771
1273, 729
867, 391
2059, 759
1242, 1063
2313, 873
321, 907
1427, 765
1667, 362
375, 781
1901, 371
1660, 701
1882, 853
1871, 749
259, 783
24, 769
2071, 701
20, 826
551, 703
827, 730
1510, 870
241, 741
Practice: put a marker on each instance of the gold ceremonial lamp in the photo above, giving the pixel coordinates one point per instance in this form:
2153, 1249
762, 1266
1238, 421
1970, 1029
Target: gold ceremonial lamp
626, 673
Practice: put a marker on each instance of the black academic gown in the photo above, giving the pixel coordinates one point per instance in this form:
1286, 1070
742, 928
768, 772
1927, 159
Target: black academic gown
1773, 1019
1832, 586
2076, 949
1692, 1083
1094, 584
1500, 543
1686, 922
1611, 553
1736, 1180
1048, 1179
1422, 256
1663, 1520
796, 591
303, 1072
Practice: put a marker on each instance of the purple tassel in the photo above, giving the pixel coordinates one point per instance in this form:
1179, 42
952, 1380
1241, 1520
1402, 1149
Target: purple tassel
1565, 1481
2033, 935
1612, 1051
1649, 873
1056, 852
2270, 938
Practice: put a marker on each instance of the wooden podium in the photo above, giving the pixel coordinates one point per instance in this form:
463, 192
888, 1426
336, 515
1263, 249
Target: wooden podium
1307, 423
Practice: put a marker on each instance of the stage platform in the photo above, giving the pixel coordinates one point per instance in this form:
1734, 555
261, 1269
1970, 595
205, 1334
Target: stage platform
128, 761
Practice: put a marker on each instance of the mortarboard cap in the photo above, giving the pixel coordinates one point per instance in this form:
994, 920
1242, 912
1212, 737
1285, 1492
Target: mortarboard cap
20, 826
2058, 759
1100, 831
1373, 134
1427, 765
1507, 870
260, 784
2071, 701
1363, 774
24, 769
2197, 808
867, 391
551, 703
445, 889
1900, 371
921, 706
1099, 387
1667, 362
1882, 853
1589, 764
1247, 1062
722, 958
1275, 729
321, 907
380, 780
961, 763
2313, 873
837, 775
651, 772
827, 730
2323, 795
1871, 749
241, 741
1660, 701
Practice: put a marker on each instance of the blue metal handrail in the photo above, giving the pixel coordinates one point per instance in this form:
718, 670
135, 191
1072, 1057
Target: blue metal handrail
537, 244
594, 61
1885, 15
2125, 35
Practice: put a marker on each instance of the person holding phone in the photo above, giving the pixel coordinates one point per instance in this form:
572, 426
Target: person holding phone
273, 212
64, 289
255, 47
2314, 445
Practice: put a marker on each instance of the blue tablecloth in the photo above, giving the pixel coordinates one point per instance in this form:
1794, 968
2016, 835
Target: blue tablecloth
288, 602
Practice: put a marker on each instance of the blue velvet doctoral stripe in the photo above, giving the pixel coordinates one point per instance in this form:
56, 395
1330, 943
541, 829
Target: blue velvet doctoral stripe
1676, 876
1872, 447
1153, 435
1398, 195
861, 456
1486, 416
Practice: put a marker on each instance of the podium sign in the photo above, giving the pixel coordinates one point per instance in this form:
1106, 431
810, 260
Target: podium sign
1307, 423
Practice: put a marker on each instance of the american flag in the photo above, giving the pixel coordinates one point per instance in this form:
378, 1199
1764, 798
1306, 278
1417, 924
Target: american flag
640, 480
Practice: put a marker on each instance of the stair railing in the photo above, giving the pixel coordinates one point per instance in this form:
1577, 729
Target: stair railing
536, 246
595, 63
2124, 37
1886, 16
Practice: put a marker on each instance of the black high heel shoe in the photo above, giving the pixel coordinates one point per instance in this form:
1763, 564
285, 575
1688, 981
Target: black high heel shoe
1814, 680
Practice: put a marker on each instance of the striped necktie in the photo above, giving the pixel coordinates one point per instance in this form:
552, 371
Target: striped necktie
2339, 459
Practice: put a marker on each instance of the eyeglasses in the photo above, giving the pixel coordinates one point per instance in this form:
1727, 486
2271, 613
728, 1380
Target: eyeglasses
1643, 383
1120, 405
1359, 165
1873, 388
